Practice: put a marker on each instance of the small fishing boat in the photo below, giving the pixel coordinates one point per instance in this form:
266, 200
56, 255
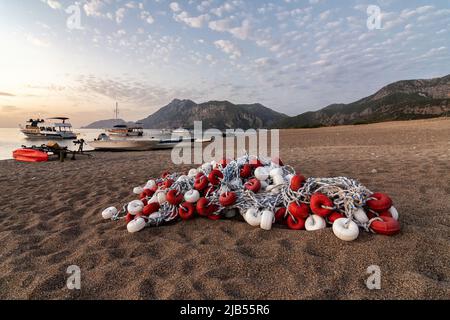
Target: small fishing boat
54, 128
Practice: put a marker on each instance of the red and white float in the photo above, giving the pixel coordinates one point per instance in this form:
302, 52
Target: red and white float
266, 193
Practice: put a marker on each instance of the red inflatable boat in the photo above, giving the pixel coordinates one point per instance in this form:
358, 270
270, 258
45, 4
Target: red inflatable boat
30, 155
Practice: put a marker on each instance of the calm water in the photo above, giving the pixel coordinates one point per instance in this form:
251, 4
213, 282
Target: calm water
12, 139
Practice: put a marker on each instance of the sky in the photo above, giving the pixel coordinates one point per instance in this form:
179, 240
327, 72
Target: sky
76, 58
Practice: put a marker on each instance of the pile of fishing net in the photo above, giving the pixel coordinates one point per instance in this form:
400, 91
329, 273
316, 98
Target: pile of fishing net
264, 192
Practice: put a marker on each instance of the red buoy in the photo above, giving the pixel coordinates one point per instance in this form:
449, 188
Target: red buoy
186, 210
387, 226
334, 216
147, 193
174, 197
385, 214
128, 218
150, 208
381, 203
280, 215
246, 171
227, 199
253, 185
198, 175
203, 207
201, 183
299, 211
214, 217
215, 177
165, 174
295, 223
297, 181
318, 202
168, 183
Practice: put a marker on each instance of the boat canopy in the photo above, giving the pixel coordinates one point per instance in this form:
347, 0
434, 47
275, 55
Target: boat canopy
63, 119
58, 118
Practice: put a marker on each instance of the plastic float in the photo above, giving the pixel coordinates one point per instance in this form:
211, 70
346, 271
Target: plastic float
265, 192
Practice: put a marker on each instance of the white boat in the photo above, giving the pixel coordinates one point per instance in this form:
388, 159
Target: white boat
54, 128
106, 143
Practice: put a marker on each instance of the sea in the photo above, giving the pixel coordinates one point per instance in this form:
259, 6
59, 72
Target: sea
12, 139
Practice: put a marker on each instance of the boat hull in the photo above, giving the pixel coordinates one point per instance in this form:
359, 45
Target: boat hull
30, 155
43, 135
123, 145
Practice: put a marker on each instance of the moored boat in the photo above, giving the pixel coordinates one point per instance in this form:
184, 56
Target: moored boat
54, 128
105, 143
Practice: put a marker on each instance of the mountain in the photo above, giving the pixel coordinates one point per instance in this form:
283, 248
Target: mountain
402, 100
213, 114
107, 124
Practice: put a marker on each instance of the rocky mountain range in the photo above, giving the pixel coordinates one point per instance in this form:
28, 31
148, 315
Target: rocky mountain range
109, 123
213, 114
402, 100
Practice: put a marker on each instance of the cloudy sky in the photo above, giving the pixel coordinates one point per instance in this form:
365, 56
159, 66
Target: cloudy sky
76, 58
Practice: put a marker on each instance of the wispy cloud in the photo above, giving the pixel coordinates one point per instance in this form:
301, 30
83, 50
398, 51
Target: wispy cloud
6, 94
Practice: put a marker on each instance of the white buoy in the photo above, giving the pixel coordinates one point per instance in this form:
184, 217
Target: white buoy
138, 190
361, 216
135, 207
394, 212
192, 173
151, 184
109, 213
161, 197
276, 172
136, 225
278, 179
267, 218
253, 217
315, 222
192, 196
261, 173
345, 229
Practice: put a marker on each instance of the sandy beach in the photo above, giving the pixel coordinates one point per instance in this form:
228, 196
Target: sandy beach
50, 219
